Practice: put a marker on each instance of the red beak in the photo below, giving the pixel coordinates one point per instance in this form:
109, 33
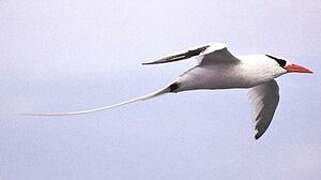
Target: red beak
297, 68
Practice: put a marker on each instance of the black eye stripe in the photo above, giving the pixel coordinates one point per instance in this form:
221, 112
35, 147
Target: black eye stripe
281, 62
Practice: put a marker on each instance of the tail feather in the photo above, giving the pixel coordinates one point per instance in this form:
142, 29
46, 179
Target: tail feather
141, 98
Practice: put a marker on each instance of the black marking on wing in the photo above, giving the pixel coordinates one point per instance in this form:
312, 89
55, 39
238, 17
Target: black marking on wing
181, 56
257, 136
281, 62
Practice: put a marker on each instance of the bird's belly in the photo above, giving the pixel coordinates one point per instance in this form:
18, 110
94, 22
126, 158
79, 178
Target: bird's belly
215, 78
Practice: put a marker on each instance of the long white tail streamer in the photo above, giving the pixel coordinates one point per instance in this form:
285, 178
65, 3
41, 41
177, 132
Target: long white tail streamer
141, 98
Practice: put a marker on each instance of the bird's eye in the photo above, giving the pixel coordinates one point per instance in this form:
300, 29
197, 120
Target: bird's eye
281, 62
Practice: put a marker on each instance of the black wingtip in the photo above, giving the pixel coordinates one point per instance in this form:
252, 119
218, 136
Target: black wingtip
257, 136
146, 63
151, 62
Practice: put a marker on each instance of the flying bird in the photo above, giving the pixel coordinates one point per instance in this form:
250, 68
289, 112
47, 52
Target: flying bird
217, 68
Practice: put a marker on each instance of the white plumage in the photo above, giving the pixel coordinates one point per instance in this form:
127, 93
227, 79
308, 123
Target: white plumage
219, 69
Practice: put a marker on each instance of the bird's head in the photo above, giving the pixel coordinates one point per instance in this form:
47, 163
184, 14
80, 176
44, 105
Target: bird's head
284, 66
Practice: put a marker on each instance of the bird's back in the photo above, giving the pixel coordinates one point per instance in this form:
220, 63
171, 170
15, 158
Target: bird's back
249, 72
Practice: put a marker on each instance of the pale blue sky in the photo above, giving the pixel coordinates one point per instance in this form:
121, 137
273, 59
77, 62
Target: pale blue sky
70, 55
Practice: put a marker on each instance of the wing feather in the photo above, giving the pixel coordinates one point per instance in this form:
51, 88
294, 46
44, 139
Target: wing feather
221, 55
180, 56
207, 53
264, 100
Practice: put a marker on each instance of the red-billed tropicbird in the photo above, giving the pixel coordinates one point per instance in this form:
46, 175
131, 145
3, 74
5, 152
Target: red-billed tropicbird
219, 69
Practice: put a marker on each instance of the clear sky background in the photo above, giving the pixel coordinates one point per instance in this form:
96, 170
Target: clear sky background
70, 55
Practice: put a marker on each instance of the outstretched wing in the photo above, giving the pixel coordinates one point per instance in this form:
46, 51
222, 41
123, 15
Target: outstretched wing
264, 99
210, 52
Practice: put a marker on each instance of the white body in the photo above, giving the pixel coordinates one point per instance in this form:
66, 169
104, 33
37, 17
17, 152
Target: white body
249, 72
219, 69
